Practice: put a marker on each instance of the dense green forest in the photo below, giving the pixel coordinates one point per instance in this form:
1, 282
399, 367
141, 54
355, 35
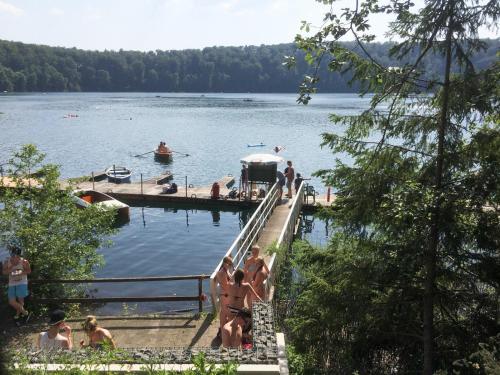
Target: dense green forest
29, 67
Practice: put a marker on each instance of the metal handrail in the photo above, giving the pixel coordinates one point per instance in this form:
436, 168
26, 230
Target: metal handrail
247, 237
198, 297
285, 238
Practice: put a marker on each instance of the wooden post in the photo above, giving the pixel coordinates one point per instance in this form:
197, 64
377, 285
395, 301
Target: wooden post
142, 193
186, 186
93, 181
200, 292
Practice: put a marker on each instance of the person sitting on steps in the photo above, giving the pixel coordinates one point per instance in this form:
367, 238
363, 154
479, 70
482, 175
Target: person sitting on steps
98, 337
53, 339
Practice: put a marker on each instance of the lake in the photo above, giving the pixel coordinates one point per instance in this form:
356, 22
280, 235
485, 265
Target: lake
214, 129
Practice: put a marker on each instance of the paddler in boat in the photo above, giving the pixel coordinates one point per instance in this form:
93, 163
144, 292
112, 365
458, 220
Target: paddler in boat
162, 148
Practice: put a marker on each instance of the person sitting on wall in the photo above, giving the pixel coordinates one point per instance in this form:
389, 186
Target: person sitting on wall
52, 339
232, 332
98, 337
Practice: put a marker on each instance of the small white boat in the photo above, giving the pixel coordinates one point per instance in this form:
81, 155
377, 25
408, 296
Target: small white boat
118, 174
85, 198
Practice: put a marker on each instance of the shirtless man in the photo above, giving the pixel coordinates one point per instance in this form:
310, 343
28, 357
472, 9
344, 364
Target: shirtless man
223, 277
18, 270
290, 176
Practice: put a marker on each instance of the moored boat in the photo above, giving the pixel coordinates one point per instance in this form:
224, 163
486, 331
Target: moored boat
118, 174
86, 198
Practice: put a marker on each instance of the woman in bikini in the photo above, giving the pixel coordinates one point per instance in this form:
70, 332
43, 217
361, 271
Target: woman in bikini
259, 277
224, 277
98, 336
238, 289
251, 263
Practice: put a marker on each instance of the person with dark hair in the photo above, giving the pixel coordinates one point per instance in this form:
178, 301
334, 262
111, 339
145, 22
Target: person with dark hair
290, 176
52, 339
18, 270
224, 277
281, 182
244, 179
238, 289
297, 182
232, 332
98, 336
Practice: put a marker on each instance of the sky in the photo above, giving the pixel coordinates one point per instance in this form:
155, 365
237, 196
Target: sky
148, 25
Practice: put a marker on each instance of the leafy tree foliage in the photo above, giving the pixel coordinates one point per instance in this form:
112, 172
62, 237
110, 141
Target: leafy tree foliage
410, 280
58, 239
28, 67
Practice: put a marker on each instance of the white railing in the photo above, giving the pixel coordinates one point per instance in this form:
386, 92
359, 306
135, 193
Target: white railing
247, 237
285, 239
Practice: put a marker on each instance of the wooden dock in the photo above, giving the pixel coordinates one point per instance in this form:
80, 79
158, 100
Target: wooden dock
153, 190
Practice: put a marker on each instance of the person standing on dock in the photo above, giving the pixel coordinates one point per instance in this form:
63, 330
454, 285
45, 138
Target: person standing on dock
238, 290
259, 277
290, 176
244, 178
18, 270
281, 182
224, 277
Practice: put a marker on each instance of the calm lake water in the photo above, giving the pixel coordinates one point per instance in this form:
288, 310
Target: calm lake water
214, 129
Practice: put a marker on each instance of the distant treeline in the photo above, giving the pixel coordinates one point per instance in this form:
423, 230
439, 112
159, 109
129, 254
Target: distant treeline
29, 67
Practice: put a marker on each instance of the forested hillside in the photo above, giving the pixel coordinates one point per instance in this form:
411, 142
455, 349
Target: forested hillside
28, 67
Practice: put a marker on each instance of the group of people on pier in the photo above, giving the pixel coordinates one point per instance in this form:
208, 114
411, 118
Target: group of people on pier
238, 289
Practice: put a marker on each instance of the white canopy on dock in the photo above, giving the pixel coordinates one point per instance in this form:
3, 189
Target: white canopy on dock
262, 159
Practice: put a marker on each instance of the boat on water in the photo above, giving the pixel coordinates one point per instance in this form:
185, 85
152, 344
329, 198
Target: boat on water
86, 198
163, 156
256, 144
118, 174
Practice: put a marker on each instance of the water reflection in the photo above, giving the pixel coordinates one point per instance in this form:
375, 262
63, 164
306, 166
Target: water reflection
215, 218
313, 229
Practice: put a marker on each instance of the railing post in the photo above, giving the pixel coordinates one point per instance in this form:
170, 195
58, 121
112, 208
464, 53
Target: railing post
186, 186
200, 292
142, 193
93, 181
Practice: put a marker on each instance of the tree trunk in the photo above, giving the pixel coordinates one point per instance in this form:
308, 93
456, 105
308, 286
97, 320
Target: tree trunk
430, 256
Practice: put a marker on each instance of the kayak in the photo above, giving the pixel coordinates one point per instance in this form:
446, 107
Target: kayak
256, 144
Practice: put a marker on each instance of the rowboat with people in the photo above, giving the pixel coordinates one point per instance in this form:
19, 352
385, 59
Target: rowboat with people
163, 153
